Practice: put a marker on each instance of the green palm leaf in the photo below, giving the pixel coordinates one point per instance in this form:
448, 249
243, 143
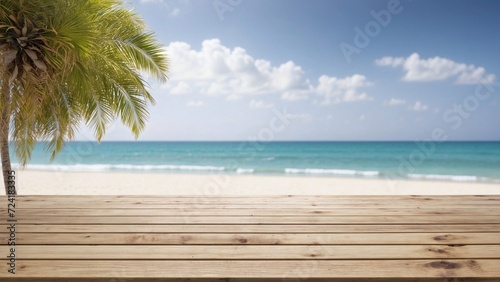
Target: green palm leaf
64, 63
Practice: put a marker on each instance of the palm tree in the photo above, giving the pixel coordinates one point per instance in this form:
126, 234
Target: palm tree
68, 62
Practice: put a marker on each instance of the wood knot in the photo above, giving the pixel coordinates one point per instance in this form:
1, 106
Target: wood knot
185, 238
473, 265
243, 240
438, 251
444, 264
442, 237
133, 239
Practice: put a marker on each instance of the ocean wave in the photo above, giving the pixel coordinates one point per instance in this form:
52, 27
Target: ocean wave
244, 170
331, 171
108, 167
462, 178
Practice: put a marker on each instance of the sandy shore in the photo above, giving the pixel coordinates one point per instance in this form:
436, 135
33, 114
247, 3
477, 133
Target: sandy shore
100, 183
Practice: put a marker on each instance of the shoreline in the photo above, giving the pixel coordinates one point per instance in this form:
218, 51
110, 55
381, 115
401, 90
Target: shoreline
35, 182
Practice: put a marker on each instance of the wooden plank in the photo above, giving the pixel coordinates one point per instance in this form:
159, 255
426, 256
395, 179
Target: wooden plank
238, 228
154, 202
310, 206
442, 219
116, 279
256, 268
49, 212
260, 237
277, 252
262, 196
254, 239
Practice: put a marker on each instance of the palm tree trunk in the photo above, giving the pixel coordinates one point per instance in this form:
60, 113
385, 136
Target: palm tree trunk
4, 133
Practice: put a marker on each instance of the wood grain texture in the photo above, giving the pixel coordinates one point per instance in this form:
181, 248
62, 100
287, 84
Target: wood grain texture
277, 252
255, 238
238, 228
257, 268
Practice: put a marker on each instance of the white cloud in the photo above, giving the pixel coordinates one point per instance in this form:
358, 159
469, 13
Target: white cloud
259, 104
436, 69
395, 102
217, 70
220, 71
418, 107
390, 61
336, 90
195, 104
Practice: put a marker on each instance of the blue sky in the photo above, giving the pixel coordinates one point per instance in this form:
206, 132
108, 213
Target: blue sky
324, 70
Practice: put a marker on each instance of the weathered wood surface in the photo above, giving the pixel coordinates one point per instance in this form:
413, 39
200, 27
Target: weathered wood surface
314, 238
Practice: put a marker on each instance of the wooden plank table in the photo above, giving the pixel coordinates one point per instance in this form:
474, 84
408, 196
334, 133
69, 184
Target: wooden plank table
250, 238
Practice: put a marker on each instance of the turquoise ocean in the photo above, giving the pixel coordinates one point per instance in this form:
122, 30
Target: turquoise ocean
447, 161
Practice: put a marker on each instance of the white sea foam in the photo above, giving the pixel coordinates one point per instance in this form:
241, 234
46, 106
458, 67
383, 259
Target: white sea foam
467, 178
108, 167
330, 171
245, 170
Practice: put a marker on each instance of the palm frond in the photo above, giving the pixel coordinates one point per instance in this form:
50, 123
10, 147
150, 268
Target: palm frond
69, 61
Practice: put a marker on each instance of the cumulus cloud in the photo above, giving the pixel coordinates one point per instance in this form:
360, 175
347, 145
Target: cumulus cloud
216, 70
437, 68
418, 107
220, 71
395, 102
336, 90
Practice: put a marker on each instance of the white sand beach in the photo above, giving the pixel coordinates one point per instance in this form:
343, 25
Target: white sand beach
119, 183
